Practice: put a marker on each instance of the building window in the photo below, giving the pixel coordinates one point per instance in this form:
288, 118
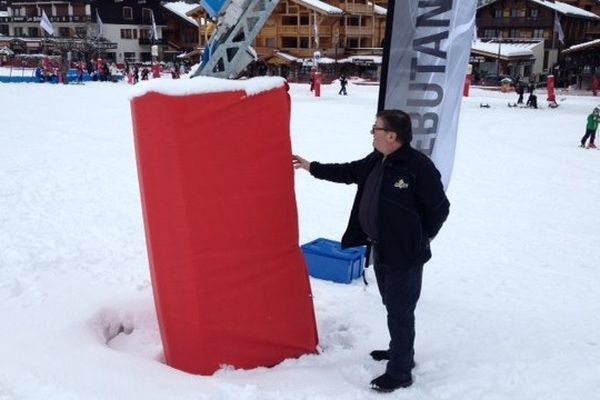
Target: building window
128, 33
304, 42
497, 13
33, 32
146, 16
515, 33
48, 10
18, 31
289, 42
489, 33
534, 13
353, 43
146, 57
62, 10
352, 21
304, 20
129, 57
271, 42
517, 13
145, 33
64, 32
189, 35
78, 10
538, 33
289, 20
127, 13
31, 11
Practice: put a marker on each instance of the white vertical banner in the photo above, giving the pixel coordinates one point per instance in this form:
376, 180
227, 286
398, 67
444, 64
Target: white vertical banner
426, 52
154, 30
558, 28
99, 25
46, 24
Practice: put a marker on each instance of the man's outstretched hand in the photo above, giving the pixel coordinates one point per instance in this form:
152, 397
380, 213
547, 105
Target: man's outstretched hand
300, 162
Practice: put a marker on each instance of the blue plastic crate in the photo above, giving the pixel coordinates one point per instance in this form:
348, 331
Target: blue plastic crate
326, 260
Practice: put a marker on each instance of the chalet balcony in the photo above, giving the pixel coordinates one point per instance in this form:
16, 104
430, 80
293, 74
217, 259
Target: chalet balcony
356, 8
358, 30
65, 19
148, 41
514, 22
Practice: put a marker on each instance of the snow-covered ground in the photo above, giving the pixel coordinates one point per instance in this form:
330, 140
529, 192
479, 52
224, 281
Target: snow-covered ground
510, 306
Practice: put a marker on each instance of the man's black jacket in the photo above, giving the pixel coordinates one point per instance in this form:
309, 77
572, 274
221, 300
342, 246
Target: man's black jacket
412, 204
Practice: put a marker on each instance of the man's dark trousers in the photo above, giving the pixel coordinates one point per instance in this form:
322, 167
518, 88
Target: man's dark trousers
400, 289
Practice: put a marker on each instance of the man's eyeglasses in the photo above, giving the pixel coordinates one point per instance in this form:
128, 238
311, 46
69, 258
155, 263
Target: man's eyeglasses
376, 128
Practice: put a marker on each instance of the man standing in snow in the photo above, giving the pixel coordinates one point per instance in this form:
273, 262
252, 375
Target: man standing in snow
590, 129
400, 206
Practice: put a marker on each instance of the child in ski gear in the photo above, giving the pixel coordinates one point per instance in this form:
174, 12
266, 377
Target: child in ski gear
590, 129
399, 207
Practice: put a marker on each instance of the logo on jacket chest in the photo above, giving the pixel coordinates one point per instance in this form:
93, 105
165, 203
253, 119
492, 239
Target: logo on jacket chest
401, 184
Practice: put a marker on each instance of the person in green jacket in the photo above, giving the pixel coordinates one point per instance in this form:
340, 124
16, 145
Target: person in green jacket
590, 130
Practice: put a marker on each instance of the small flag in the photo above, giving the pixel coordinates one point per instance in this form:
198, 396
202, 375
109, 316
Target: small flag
316, 29
154, 32
46, 24
100, 25
558, 29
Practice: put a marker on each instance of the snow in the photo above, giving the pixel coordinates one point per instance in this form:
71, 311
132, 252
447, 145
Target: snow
567, 9
364, 58
321, 5
581, 46
510, 304
181, 8
200, 85
506, 49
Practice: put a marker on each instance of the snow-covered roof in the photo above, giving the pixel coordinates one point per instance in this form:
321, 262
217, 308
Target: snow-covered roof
567, 9
308, 62
379, 10
562, 8
506, 49
582, 46
285, 56
321, 6
181, 8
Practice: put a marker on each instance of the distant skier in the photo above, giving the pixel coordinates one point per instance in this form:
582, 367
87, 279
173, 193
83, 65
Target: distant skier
590, 131
520, 91
343, 84
532, 99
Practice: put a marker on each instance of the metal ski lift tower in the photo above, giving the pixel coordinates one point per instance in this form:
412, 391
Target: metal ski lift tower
228, 50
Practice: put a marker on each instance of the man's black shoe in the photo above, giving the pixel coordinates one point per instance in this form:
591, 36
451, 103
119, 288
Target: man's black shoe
387, 383
380, 355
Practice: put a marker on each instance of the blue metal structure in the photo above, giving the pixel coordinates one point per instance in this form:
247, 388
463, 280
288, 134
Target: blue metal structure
228, 50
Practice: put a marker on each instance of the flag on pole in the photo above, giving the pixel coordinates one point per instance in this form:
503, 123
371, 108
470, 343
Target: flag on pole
154, 31
425, 55
316, 30
46, 24
558, 29
100, 25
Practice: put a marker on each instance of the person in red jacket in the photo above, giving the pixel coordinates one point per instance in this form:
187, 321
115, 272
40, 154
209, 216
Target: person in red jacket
400, 206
